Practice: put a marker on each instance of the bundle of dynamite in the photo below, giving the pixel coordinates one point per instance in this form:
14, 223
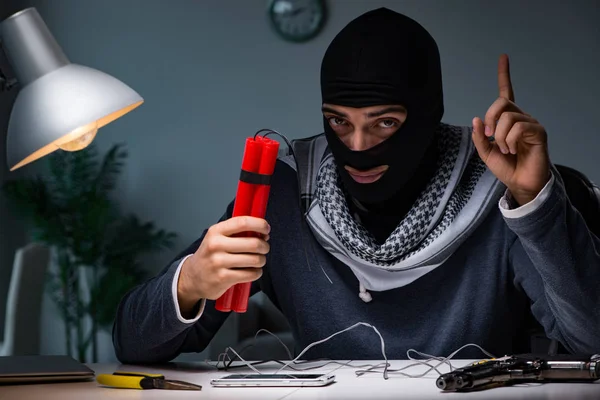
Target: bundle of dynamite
258, 164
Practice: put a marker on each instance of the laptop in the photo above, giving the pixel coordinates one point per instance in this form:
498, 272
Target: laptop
42, 369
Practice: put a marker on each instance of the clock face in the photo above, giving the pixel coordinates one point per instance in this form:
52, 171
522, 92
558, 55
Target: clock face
297, 20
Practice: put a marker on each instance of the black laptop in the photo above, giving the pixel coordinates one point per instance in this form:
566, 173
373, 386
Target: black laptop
42, 369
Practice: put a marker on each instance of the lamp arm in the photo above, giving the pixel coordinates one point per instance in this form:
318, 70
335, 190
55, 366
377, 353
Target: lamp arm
5, 83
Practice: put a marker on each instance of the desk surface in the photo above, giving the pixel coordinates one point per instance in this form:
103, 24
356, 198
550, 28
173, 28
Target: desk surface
347, 386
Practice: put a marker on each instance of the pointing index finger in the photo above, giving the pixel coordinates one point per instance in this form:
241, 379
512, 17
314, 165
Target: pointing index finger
504, 83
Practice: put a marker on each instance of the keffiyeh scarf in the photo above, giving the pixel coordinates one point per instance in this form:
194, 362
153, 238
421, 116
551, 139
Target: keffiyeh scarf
455, 201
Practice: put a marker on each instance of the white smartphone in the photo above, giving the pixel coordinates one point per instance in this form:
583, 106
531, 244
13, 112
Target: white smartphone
277, 380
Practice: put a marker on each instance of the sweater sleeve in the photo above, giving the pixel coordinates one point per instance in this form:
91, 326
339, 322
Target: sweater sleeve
556, 261
148, 326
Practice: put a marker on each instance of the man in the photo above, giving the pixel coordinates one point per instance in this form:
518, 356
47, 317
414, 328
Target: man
436, 235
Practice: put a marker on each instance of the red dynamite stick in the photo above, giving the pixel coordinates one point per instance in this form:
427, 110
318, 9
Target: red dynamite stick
259, 210
243, 204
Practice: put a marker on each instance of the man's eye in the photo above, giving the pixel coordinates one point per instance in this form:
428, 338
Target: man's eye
388, 123
336, 121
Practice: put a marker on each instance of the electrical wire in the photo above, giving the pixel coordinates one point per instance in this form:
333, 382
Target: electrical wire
293, 364
227, 361
303, 223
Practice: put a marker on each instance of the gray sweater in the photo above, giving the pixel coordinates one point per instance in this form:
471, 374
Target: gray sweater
545, 264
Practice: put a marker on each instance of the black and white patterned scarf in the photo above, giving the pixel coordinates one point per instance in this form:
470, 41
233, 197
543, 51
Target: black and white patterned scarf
457, 198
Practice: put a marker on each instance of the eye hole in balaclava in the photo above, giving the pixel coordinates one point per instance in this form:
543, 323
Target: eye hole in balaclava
384, 58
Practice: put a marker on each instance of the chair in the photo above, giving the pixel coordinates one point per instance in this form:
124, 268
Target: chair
23, 306
584, 195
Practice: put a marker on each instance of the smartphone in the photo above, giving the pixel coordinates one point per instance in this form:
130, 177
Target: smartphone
278, 380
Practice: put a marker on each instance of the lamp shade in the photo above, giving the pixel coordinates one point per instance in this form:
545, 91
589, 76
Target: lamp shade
60, 104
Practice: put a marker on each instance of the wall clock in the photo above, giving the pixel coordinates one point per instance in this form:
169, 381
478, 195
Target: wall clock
297, 20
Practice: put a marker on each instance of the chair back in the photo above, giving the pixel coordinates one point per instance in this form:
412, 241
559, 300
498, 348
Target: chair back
24, 303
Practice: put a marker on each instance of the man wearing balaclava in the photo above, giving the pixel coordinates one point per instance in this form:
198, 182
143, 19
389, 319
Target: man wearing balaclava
436, 235
360, 70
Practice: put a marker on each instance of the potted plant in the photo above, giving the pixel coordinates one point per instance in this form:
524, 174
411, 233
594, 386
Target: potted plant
97, 248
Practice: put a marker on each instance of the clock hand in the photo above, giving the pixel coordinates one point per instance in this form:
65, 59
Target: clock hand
297, 11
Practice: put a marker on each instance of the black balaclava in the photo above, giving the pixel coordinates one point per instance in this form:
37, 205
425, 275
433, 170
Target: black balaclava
383, 58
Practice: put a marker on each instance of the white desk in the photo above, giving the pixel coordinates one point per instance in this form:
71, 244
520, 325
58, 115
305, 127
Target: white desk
347, 386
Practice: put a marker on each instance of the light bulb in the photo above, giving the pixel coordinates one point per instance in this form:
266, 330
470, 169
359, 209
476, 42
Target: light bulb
83, 137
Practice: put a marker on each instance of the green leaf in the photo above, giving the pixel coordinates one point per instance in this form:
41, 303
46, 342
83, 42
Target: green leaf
114, 161
71, 208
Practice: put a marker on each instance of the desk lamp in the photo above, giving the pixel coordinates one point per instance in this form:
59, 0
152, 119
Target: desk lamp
60, 105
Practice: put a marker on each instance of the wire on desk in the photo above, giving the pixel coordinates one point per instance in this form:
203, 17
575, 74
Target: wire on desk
442, 360
227, 361
363, 369
340, 332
